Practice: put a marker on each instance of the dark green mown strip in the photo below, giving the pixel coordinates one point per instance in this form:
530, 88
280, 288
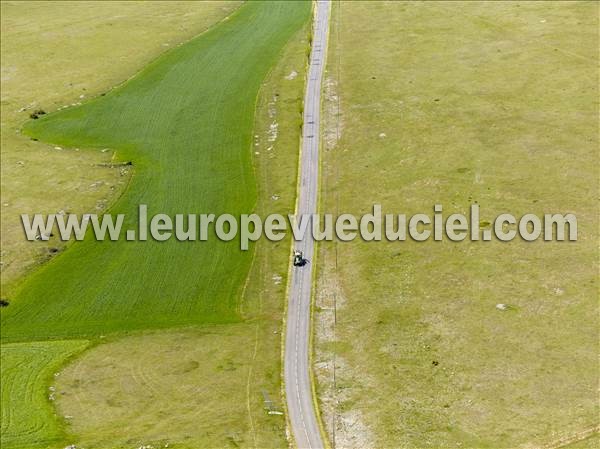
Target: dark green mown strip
28, 418
186, 123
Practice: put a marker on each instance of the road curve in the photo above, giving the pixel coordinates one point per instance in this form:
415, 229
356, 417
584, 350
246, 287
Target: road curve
298, 388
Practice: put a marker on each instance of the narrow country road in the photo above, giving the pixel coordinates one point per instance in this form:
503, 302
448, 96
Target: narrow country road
298, 387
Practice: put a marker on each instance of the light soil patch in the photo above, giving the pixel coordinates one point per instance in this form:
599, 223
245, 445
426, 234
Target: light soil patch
487, 103
57, 54
332, 114
589, 442
345, 424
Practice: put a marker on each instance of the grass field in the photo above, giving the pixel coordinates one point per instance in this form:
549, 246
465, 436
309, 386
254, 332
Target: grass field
220, 402
494, 103
186, 388
186, 122
28, 419
71, 52
73, 49
229, 366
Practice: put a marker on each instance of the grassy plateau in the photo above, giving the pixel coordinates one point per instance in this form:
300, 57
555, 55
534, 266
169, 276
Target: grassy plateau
456, 103
206, 383
185, 121
56, 54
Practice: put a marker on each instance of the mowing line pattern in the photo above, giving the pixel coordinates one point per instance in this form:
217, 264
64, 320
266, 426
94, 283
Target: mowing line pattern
27, 418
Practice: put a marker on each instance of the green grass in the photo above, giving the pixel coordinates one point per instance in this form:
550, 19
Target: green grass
204, 384
52, 54
494, 103
28, 419
186, 122
186, 388
158, 399
216, 404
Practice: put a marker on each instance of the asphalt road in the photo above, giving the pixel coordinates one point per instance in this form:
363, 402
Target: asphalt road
298, 388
